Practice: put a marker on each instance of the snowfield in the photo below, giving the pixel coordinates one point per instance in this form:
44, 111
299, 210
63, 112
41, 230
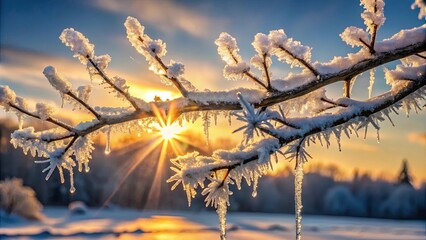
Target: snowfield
131, 224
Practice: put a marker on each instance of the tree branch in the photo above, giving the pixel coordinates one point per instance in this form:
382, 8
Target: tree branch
370, 107
276, 97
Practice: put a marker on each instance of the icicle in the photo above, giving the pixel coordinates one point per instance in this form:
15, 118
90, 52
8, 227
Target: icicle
366, 129
229, 118
378, 136
298, 179
86, 167
80, 166
390, 119
221, 212
21, 121
72, 188
370, 87
61, 174
107, 144
255, 182
206, 126
62, 100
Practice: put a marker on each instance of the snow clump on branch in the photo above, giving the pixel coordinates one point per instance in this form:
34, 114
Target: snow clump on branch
78, 43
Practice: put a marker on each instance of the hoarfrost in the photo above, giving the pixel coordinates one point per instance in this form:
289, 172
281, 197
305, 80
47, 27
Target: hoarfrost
175, 69
7, 96
78, 43
44, 110
353, 36
56, 80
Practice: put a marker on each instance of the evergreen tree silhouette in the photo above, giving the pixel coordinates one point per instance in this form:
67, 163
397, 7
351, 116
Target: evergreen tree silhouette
404, 176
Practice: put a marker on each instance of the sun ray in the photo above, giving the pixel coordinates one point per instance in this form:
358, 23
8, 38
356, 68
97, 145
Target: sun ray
155, 190
139, 158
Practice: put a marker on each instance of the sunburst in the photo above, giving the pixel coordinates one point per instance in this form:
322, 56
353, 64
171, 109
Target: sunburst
167, 132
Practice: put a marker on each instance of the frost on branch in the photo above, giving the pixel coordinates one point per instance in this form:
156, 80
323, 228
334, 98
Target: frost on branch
44, 110
78, 43
373, 14
146, 46
354, 36
262, 60
57, 81
175, 69
288, 50
228, 50
83, 92
7, 96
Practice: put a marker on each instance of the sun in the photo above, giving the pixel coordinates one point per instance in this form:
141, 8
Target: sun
169, 132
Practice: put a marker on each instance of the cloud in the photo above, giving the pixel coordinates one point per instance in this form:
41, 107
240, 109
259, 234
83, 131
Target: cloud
417, 138
23, 69
166, 15
359, 146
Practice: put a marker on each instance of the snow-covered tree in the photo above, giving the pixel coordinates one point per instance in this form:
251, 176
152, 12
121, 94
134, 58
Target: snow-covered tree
280, 116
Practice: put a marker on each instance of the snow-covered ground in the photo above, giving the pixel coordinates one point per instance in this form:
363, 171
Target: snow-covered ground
131, 224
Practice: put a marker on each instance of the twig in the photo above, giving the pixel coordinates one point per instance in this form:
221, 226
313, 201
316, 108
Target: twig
347, 86
265, 68
49, 119
108, 80
302, 61
249, 74
421, 56
284, 122
175, 81
71, 94
333, 103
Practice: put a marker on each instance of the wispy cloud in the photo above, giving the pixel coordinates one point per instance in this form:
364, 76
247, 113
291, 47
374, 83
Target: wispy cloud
166, 15
417, 138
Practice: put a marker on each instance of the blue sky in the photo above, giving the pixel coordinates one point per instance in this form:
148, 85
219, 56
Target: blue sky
29, 42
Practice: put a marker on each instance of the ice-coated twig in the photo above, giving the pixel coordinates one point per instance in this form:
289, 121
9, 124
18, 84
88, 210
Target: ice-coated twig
110, 83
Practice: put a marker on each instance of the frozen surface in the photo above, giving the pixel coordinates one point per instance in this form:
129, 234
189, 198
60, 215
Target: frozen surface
131, 224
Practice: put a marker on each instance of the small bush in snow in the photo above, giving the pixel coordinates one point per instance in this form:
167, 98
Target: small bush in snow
77, 208
20, 200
